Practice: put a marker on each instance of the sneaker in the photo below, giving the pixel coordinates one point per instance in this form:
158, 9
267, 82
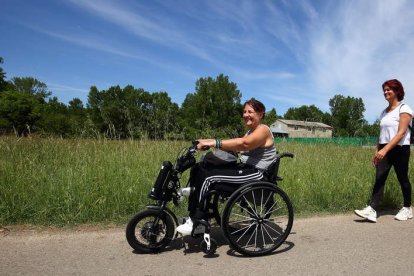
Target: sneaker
404, 214
186, 228
368, 213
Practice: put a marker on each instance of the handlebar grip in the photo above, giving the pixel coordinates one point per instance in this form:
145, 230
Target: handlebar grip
195, 143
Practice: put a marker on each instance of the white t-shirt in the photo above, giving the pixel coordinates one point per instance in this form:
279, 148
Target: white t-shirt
389, 123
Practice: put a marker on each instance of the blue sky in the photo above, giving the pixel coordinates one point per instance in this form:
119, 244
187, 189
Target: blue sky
284, 53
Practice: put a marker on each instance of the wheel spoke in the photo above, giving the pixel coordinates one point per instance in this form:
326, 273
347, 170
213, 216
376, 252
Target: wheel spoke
273, 229
267, 232
251, 236
246, 231
246, 209
250, 206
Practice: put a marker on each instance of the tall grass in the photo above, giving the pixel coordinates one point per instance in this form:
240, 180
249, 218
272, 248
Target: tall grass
59, 182
331, 178
77, 181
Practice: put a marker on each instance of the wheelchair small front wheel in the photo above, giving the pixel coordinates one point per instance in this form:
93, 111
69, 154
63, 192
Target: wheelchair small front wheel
257, 219
150, 230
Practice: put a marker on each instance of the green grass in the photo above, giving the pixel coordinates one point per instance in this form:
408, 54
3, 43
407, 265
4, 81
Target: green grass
68, 182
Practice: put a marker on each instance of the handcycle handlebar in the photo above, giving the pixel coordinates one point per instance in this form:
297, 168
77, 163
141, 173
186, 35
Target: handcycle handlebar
195, 143
285, 154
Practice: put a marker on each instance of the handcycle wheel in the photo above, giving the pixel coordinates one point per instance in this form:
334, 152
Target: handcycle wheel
150, 230
257, 218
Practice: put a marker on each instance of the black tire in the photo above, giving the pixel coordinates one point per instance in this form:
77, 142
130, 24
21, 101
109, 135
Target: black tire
257, 219
150, 230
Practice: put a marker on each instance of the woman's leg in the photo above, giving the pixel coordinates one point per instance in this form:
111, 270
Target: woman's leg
400, 163
236, 175
381, 173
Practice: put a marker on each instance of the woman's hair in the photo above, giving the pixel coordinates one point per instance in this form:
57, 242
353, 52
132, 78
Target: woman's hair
395, 86
257, 106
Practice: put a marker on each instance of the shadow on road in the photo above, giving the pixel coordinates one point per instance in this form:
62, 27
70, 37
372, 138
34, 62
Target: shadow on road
190, 245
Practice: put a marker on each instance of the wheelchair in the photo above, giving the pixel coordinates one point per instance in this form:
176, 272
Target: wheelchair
256, 217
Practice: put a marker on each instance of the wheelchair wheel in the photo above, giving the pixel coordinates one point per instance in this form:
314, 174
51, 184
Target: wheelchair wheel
257, 218
150, 230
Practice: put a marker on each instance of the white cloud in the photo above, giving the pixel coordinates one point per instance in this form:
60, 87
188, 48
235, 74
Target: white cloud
359, 45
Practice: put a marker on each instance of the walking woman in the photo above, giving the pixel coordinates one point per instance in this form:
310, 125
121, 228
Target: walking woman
393, 150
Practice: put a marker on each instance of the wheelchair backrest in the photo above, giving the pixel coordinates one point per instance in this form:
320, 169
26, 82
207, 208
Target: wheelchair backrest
272, 171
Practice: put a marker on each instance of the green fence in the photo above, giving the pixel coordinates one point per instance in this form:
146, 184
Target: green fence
352, 141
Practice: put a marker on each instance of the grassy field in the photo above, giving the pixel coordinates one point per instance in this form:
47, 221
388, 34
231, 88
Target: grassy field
69, 182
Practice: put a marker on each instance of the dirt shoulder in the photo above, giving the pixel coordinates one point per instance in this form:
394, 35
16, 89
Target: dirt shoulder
328, 245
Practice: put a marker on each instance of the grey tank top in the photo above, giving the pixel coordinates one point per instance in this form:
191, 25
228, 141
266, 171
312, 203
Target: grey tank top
260, 158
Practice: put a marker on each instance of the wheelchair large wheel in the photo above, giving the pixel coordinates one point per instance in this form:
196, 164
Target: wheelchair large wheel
150, 230
257, 218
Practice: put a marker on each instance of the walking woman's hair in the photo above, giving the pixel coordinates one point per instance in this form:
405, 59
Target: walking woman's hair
395, 86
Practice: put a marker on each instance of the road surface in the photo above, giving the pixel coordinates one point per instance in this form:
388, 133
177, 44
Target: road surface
329, 245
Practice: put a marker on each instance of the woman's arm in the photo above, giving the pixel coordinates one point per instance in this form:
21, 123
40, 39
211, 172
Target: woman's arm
405, 119
256, 139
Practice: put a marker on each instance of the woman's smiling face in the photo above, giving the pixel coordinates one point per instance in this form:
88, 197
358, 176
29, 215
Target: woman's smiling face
389, 94
251, 117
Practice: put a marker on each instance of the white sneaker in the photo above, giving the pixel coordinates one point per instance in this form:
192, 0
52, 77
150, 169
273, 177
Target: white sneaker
404, 214
186, 228
368, 212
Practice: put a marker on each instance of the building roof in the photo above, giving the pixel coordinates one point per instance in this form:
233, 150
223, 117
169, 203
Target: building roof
304, 123
278, 130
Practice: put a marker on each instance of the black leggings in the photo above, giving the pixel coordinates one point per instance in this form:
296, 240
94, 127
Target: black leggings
204, 177
398, 158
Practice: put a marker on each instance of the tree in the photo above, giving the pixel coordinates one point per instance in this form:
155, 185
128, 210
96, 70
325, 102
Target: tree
3, 81
130, 112
162, 114
19, 111
21, 104
347, 116
307, 113
31, 86
77, 116
55, 118
214, 109
270, 117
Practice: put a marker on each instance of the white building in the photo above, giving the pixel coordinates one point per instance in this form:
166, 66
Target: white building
295, 129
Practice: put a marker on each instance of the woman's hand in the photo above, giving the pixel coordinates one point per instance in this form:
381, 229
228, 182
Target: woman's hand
205, 144
378, 156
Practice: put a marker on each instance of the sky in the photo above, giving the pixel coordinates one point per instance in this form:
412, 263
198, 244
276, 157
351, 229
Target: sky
284, 53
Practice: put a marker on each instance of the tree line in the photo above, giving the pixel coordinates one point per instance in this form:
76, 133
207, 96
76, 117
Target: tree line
214, 109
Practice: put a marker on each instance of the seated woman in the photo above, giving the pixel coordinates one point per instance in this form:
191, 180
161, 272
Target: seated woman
257, 152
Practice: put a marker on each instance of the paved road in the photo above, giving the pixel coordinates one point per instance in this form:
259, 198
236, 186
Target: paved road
334, 245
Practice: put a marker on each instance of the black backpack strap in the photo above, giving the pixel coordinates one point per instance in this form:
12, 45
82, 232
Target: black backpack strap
412, 119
